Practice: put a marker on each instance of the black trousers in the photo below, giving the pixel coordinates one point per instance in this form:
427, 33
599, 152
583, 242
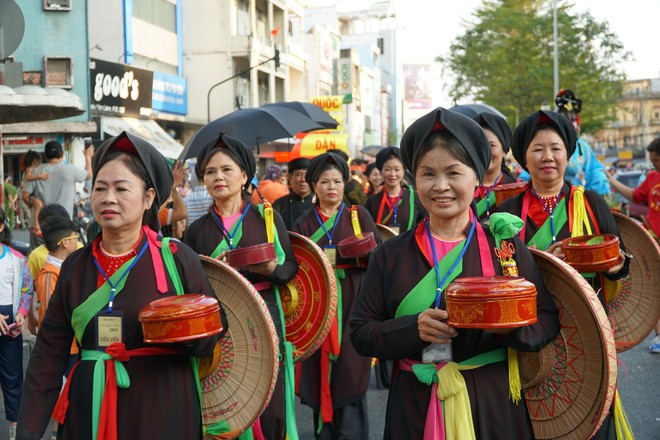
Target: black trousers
11, 368
350, 422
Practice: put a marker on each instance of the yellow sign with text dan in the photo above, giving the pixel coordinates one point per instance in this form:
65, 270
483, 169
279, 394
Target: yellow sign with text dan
315, 144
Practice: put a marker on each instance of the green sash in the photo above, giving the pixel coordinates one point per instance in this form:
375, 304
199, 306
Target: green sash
320, 232
411, 202
543, 237
483, 203
224, 244
289, 374
340, 274
86, 311
423, 294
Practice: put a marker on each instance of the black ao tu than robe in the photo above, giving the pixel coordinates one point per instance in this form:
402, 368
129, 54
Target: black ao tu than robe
394, 269
291, 207
601, 214
203, 236
350, 372
606, 225
403, 212
162, 400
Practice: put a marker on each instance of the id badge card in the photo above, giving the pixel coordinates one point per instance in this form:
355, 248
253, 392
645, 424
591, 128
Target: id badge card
109, 328
395, 227
331, 253
436, 353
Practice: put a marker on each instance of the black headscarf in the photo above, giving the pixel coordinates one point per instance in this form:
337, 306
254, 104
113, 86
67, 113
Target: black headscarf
526, 130
300, 163
242, 153
156, 165
497, 125
462, 128
317, 164
385, 154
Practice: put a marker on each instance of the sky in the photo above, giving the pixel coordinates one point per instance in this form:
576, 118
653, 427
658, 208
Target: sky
429, 26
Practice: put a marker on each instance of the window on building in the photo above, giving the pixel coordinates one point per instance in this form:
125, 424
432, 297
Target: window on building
58, 72
261, 22
57, 5
32, 77
161, 13
242, 17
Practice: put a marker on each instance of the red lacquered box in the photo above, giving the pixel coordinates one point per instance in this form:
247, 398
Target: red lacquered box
180, 318
491, 302
247, 256
357, 245
508, 190
591, 258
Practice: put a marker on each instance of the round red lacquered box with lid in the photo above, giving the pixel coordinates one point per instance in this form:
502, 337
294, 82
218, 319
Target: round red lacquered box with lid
357, 245
180, 318
491, 302
585, 257
250, 255
508, 190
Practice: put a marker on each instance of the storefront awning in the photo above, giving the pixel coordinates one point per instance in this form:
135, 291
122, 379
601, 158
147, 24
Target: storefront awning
147, 129
34, 103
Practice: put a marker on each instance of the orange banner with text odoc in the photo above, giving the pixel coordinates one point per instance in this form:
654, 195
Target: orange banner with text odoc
315, 144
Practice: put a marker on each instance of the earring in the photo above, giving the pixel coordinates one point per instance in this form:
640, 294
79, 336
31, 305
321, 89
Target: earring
314, 199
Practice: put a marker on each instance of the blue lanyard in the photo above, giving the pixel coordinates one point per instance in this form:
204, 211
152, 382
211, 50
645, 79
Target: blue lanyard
225, 232
436, 262
394, 206
332, 232
488, 194
551, 211
113, 287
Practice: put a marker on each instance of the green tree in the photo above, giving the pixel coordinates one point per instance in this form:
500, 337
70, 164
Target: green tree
505, 59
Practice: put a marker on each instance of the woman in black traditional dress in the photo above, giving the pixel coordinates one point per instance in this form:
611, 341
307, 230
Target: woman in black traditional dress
374, 179
227, 167
400, 312
122, 271
498, 133
397, 205
334, 380
554, 210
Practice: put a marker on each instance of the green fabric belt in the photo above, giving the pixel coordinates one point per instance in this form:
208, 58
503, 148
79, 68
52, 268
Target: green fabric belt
427, 373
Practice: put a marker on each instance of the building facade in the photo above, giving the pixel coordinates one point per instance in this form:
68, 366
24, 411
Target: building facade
637, 118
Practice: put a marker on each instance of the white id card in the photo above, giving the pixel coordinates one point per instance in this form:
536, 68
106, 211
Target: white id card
436, 353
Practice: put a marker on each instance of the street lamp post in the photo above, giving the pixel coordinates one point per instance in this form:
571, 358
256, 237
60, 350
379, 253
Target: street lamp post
556, 49
276, 58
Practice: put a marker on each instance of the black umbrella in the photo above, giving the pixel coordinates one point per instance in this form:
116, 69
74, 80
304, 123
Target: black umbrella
371, 150
252, 126
313, 111
472, 110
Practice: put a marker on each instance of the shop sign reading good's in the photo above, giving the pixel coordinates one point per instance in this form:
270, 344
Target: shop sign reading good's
120, 89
